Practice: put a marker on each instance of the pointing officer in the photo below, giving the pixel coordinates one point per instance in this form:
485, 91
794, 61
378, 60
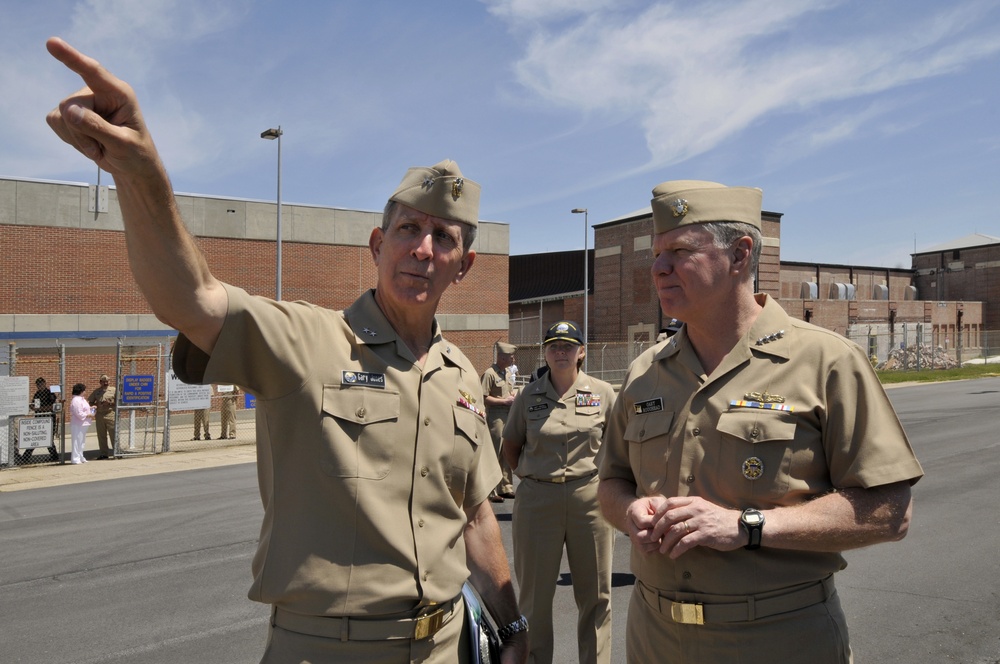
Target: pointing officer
744, 454
374, 460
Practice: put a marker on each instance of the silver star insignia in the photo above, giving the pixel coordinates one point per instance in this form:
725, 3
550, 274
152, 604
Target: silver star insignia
371, 333
428, 182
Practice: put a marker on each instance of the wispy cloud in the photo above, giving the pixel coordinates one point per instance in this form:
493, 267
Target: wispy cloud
694, 75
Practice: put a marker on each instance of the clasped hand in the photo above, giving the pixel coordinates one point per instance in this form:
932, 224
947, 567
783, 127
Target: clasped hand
672, 526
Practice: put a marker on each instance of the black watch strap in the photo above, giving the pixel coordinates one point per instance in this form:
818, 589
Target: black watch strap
507, 631
753, 522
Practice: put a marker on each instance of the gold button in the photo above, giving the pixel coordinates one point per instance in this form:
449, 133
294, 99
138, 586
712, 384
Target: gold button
420, 523
754, 433
427, 421
361, 411
424, 471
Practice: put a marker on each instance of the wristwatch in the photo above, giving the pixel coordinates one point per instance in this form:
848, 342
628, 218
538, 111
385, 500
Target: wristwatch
507, 631
753, 522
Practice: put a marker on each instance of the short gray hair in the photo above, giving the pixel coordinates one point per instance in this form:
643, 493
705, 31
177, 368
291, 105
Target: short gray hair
468, 232
726, 233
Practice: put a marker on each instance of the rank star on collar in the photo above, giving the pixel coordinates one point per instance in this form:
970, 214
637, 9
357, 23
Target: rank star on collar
370, 332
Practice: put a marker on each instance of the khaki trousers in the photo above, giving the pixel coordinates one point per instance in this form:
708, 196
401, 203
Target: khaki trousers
497, 420
816, 634
228, 412
450, 645
201, 417
105, 432
546, 518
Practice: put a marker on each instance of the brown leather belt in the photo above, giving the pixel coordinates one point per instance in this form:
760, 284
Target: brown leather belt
750, 607
562, 479
348, 628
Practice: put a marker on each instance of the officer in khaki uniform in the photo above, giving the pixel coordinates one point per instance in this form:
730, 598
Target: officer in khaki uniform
498, 395
552, 440
103, 399
228, 411
374, 460
744, 454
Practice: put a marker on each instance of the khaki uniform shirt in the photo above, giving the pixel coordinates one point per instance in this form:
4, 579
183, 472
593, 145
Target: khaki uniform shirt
104, 399
561, 436
366, 461
495, 385
677, 432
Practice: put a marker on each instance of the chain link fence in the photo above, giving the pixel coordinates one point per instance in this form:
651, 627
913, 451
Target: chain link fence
145, 419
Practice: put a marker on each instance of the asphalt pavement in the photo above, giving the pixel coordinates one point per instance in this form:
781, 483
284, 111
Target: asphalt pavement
166, 558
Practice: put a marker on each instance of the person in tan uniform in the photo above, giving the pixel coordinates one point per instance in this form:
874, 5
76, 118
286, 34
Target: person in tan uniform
228, 412
103, 399
744, 454
374, 461
552, 441
202, 416
498, 395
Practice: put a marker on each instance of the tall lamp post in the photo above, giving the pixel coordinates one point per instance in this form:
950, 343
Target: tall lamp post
586, 277
270, 135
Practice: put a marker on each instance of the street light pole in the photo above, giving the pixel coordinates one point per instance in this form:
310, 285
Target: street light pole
586, 277
271, 134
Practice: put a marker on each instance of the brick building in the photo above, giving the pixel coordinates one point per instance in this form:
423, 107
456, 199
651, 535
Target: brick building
966, 270
65, 277
879, 308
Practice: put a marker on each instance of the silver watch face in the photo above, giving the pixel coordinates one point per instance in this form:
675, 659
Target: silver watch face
753, 518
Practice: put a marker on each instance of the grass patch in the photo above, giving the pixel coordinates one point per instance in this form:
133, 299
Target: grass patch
934, 375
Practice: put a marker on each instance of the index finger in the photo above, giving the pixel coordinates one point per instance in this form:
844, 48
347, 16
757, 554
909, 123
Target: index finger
90, 70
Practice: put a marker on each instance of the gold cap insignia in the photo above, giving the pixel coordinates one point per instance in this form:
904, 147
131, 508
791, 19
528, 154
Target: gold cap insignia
678, 207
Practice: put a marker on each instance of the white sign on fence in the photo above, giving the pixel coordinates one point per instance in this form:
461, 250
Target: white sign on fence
13, 395
182, 396
34, 432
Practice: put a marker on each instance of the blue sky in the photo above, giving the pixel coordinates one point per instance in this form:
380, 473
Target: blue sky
872, 126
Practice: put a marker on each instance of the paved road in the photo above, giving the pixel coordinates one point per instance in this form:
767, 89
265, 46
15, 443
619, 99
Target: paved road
154, 569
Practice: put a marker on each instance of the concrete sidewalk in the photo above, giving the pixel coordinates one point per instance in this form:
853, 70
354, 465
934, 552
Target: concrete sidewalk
39, 475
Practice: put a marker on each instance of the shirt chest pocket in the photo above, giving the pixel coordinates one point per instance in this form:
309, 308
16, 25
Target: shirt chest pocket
648, 447
359, 431
765, 450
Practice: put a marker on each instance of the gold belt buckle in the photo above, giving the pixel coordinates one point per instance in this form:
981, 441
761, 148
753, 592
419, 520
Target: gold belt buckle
687, 614
428, 625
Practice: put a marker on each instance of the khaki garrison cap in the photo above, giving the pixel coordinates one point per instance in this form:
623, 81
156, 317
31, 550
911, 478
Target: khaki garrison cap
506, 349
681, 202
440, 191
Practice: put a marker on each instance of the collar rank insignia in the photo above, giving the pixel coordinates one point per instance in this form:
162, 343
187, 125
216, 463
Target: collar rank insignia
774, 336
428, 182
370, 332
753, 468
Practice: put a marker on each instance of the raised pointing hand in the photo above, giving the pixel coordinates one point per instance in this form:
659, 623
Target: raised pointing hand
102, 120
